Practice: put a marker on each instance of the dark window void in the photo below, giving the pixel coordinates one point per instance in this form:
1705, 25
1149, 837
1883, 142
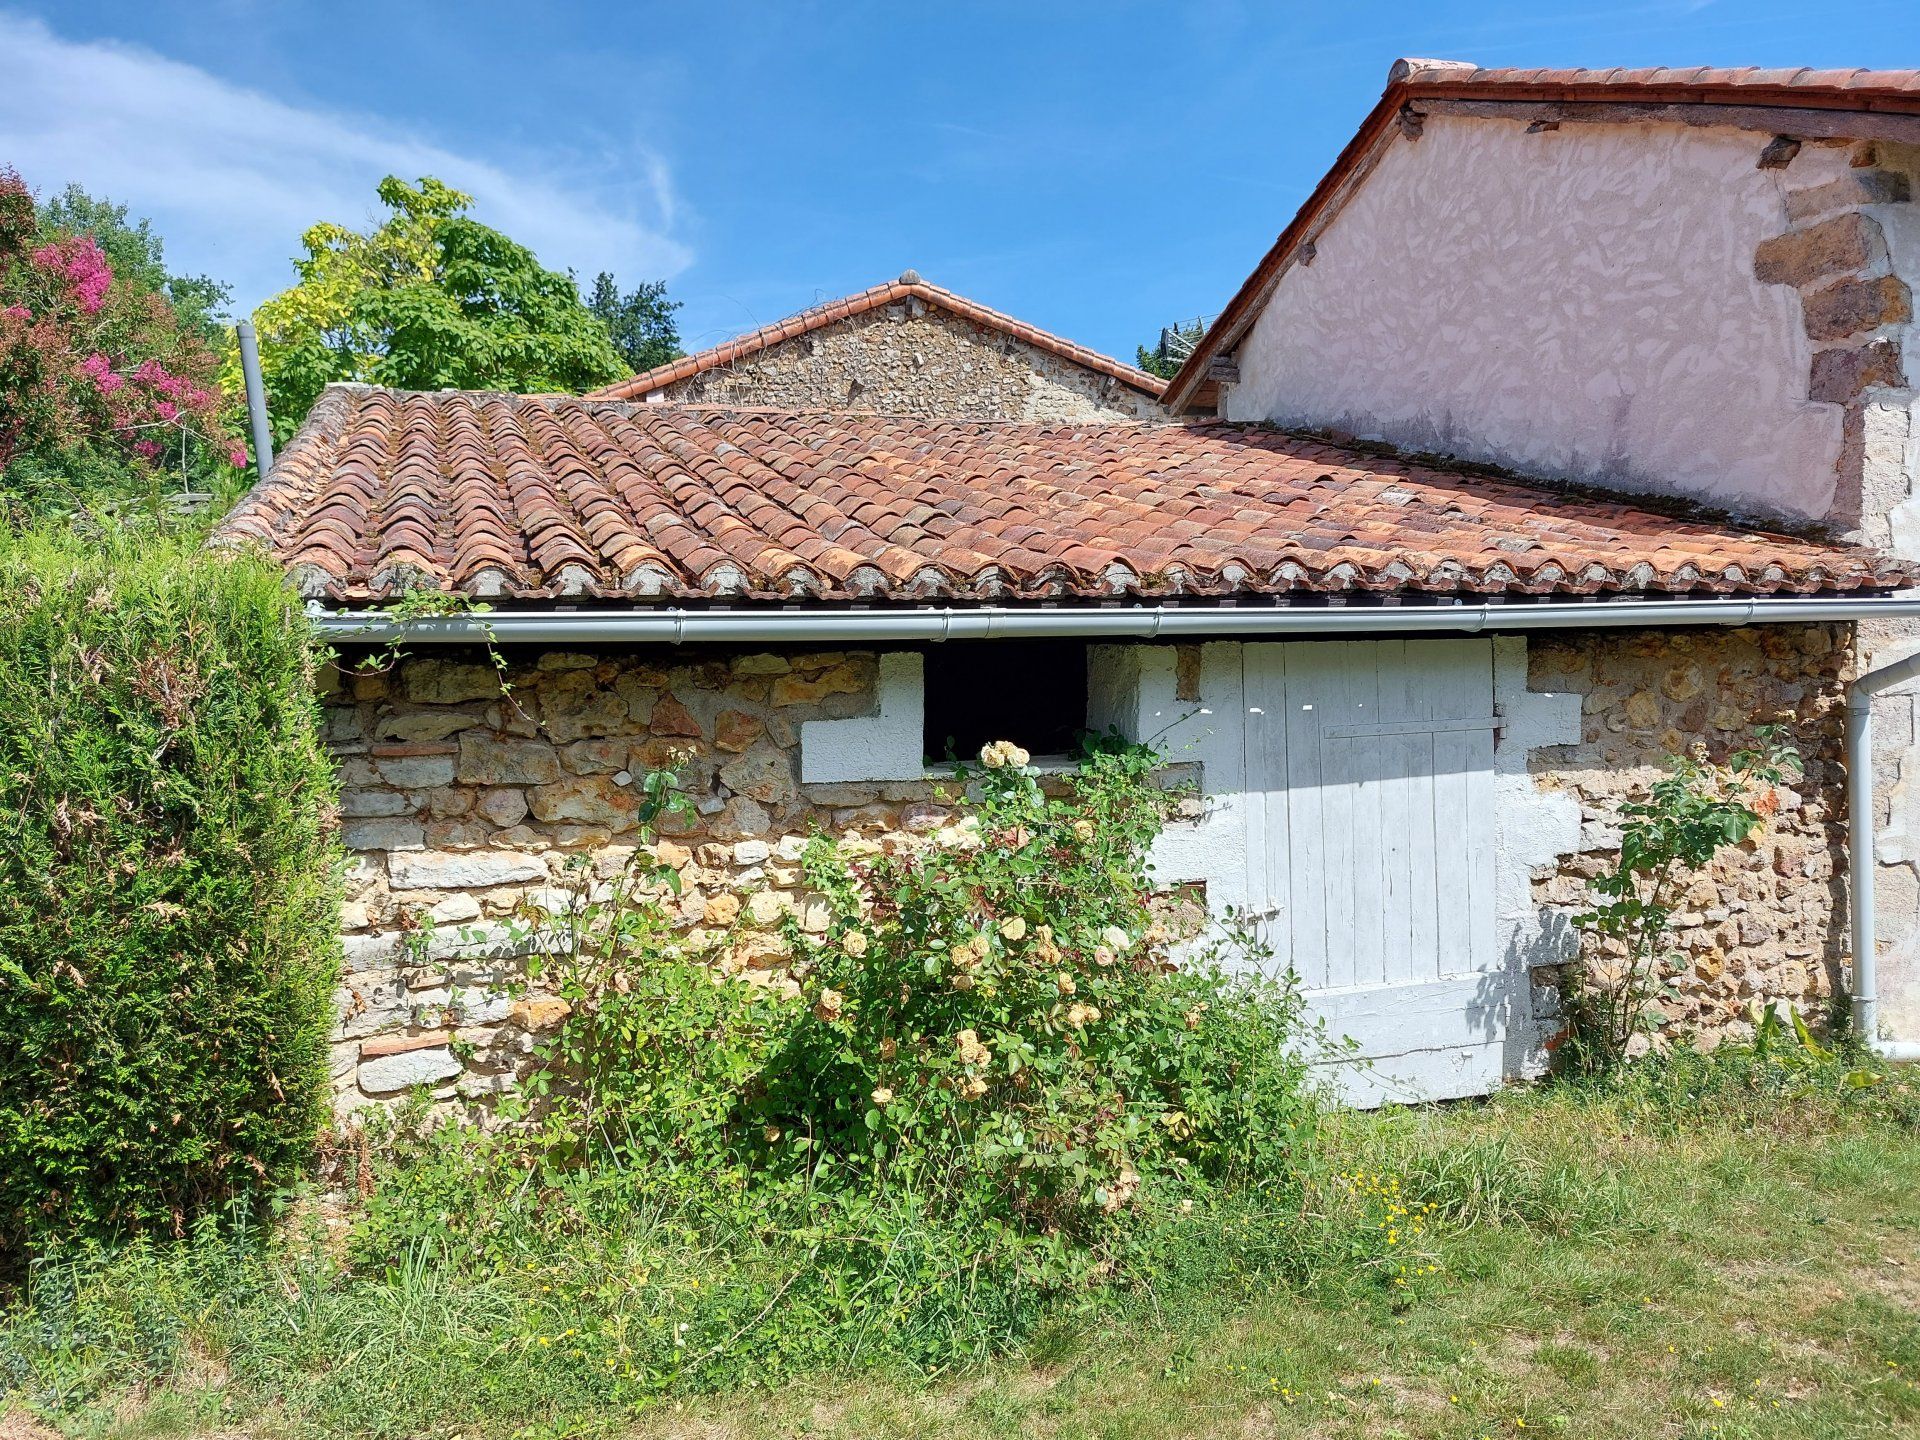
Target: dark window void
1032, 692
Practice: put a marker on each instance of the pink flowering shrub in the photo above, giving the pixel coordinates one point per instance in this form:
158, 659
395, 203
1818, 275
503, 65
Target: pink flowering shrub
78, 263
92, 364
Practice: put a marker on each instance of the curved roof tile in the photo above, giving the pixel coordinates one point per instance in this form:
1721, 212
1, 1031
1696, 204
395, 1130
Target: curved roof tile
549, 495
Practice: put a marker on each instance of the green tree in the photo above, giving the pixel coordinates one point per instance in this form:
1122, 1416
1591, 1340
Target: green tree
641, 321
138, 258
428, 299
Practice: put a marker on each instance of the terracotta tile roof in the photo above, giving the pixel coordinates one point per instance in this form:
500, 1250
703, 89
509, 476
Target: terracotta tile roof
1869, 91
908, 286
547, 496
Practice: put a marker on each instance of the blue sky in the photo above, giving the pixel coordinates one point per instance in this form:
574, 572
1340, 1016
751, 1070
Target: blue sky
1097, 169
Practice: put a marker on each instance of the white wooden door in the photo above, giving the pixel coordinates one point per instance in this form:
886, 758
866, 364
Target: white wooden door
1370, 856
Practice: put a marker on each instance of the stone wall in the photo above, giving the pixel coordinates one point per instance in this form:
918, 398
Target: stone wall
909, 358
460, 803
1769, 920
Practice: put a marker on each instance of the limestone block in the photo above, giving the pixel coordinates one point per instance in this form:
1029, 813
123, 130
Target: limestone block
764, 774
449, 682
383, 835
376, 804
416, 772
487, 759
434, 870
391, 1073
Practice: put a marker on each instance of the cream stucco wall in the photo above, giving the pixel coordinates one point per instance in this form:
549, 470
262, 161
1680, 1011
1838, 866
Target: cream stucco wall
1576, 303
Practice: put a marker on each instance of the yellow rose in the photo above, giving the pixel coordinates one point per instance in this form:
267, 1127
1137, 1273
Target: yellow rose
1013, 928
854, 942
1064, 983
973, 1087
882, 1096
830, 1004
1116, 938
1083, 830
1103, 957
971, 1051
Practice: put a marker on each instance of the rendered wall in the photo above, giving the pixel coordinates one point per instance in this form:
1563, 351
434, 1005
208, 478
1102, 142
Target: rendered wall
1578, 303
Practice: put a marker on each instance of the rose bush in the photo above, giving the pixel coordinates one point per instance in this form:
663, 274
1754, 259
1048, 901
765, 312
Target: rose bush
994, 1020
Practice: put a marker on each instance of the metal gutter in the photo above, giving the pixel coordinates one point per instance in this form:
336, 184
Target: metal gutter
849, 625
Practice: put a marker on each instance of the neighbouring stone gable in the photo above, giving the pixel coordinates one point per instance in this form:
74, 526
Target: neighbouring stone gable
1768, 921
909, 358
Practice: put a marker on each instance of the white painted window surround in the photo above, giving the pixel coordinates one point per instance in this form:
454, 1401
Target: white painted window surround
889, 743
885, 745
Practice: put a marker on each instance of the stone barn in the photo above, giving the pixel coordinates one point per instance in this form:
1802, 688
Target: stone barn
1413, 694
905, 348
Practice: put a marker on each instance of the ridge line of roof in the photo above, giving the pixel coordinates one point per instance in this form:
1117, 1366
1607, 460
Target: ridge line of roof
862, 302
1867, 91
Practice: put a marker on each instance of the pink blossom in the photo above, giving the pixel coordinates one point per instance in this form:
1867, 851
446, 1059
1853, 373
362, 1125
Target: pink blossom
168, 410
80, 261
95, 365
146, 449
17, 312
108, 383
237, 457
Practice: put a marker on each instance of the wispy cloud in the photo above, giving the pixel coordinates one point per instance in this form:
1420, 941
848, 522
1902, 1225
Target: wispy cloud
231, 176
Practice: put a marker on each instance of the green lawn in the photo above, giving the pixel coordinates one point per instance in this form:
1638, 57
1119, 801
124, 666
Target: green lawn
1647, 1262
1613, 1274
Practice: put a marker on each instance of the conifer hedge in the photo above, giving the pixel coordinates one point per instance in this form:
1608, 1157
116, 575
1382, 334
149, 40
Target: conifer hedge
168, 887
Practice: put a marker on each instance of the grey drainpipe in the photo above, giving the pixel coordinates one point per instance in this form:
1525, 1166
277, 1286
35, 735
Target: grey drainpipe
1860, 857
256, 398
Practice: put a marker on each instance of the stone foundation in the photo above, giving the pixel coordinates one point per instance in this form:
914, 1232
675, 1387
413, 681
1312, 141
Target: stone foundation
1768, 921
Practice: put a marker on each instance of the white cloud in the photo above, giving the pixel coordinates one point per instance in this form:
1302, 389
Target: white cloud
231, 176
